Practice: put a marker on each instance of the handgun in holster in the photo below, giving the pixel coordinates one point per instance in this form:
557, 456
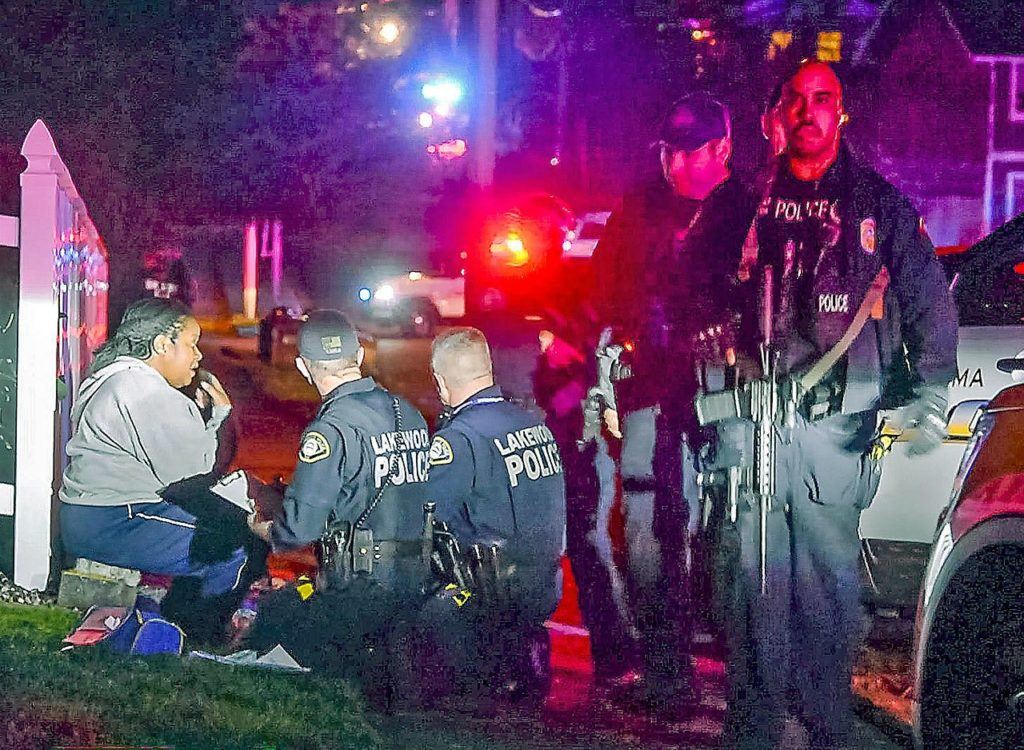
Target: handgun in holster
445, 556
335, 556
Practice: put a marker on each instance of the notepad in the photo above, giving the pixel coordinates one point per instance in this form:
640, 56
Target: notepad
234, 488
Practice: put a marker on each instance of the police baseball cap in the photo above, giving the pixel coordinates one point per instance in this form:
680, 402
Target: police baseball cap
327, 335
692, 121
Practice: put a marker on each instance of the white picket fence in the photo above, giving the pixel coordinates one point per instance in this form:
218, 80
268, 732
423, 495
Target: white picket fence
61, 319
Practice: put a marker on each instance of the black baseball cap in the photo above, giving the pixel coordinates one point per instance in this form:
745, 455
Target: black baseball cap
692, 121
327, 335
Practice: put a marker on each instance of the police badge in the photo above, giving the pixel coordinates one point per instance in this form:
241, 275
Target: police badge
440, 451
867, 235
314, 448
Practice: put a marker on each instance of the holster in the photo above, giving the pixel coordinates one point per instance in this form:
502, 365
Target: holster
335, 556
490, 574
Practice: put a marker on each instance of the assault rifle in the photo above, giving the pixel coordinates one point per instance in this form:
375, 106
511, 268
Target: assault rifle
763, 403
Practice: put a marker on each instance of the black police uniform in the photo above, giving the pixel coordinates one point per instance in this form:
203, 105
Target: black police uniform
665, 271
352, 450
827, 241
496, 476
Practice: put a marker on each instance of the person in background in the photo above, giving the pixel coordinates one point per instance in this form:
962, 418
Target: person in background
665, 277
562, 378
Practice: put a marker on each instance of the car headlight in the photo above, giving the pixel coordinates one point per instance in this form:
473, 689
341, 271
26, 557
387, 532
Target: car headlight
384, 293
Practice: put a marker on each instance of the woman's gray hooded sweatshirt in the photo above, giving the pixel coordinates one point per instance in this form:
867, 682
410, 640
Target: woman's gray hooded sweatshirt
135, 434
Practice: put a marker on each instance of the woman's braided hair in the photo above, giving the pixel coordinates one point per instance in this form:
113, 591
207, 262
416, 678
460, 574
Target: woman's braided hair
143, 321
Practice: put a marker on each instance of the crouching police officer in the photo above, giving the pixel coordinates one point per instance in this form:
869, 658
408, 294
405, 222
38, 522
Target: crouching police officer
357, 490
496, 479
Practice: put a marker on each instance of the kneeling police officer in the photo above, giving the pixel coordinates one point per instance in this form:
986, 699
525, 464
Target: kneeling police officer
361, 470
496, 479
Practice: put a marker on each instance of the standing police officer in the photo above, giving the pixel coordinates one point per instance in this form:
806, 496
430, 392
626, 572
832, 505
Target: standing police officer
496, 477
361, 472
561, 379
664, 273
831, 229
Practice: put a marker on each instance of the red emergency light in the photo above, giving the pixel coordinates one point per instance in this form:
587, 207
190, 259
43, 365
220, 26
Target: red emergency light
511, 250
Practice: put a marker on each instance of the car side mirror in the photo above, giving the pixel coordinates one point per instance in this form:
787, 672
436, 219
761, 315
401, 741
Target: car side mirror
1014, 366
1010, 364
964, 418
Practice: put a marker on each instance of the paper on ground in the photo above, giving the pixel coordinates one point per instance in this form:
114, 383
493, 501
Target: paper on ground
277, 658
234, 488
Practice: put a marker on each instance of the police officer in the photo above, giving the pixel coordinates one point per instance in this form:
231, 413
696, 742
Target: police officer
362, 469
830, 228
561, 380
664, 274
496, 477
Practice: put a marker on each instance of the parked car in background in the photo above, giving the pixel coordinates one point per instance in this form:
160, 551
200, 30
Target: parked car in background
969, 649
897, 530
534, 257
278, 340
417, 302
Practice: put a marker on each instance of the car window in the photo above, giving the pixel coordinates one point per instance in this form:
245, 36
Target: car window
988, 292
988, 286
591, 231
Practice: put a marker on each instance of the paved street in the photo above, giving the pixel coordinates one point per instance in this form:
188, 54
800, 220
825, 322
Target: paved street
271, 405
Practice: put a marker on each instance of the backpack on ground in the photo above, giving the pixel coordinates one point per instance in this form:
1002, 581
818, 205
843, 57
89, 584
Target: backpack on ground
133, 632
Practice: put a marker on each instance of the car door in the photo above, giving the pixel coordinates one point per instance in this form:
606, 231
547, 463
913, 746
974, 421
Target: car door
898, 528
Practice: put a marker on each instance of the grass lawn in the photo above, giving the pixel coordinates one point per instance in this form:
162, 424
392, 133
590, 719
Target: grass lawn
89, 697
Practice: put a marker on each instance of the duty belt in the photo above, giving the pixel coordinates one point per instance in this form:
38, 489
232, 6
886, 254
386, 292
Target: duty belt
384, 551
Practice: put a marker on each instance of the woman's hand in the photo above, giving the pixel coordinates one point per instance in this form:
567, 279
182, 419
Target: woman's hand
260, 528
210, 390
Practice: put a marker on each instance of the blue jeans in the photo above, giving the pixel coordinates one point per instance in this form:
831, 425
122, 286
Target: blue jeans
590, 495
802, 638
151, 537
657, 467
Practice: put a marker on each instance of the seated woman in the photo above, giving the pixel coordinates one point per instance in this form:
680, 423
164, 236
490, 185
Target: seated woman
136, 434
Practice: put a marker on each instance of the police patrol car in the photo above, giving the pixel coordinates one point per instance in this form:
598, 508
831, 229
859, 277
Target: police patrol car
897, 530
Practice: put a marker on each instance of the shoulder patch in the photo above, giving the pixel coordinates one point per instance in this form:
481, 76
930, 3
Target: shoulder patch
440, 451
867, 235
315, 447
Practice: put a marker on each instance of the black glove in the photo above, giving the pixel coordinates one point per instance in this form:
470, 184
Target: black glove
926, 416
